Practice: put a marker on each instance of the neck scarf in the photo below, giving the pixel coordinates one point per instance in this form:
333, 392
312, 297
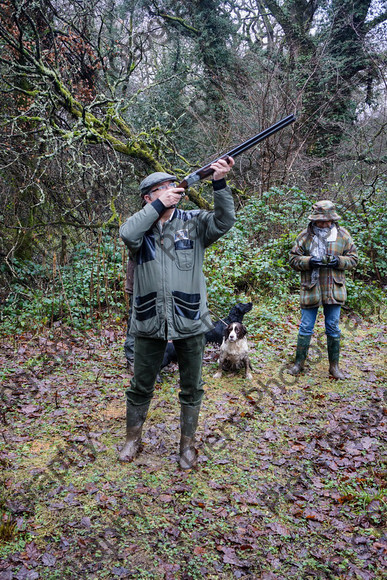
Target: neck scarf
319, 246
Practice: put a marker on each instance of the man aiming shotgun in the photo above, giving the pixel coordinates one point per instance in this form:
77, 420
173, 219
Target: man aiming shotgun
169, 295
207, 170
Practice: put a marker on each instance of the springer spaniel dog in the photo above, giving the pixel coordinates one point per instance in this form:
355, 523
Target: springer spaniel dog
215, 335
234, 351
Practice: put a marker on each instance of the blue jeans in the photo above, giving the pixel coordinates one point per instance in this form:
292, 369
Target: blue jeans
332, 318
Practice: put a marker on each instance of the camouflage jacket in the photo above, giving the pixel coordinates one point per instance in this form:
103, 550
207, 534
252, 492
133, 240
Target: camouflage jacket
330, 288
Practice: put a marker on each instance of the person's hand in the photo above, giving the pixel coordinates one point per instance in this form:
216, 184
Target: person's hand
170, 197
316, 262
221, 168
333, 262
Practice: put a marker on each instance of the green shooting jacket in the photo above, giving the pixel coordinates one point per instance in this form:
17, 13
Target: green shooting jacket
330, 287
169, 295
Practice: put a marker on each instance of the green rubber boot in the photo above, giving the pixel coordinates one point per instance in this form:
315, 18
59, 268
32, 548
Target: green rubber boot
188, 422
333, 344
135, 417
303, 343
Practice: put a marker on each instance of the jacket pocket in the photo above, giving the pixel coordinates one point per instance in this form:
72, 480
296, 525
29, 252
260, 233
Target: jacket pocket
184, 255
184, 250
146, 318
339, 289
186, 312
310, 294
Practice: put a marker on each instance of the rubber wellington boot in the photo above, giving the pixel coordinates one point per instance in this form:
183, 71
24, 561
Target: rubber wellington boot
303, 343
188, 422
135, 417
333, 344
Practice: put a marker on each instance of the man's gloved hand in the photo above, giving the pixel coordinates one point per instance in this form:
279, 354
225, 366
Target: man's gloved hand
332, 261
316, 262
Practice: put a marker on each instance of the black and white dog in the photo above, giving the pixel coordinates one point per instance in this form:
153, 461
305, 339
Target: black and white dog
215, 335
234, 351
236, 314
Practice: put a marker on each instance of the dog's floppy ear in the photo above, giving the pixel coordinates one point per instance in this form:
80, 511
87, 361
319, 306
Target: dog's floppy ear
244, 330
226, 332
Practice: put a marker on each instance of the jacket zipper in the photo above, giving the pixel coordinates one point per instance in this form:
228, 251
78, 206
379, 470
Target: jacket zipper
163, 279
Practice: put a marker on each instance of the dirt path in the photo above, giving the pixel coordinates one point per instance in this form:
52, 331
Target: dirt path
290, 482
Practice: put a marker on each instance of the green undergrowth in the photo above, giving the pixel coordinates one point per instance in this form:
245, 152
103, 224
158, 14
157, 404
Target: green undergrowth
83, 292
250, 263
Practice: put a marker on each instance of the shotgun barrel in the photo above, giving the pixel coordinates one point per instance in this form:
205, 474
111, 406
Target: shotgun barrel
206, 170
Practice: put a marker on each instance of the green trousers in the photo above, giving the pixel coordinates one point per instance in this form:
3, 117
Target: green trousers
148, 356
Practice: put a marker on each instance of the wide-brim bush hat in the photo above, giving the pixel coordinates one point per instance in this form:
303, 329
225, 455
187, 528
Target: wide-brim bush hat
154, 179
324, 211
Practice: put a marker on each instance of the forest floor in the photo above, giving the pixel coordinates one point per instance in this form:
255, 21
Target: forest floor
290, 482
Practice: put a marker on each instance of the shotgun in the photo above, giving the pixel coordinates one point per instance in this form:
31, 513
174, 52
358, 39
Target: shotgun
206, 171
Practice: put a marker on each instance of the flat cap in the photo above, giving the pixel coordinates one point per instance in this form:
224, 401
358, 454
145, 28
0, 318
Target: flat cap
153, 179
